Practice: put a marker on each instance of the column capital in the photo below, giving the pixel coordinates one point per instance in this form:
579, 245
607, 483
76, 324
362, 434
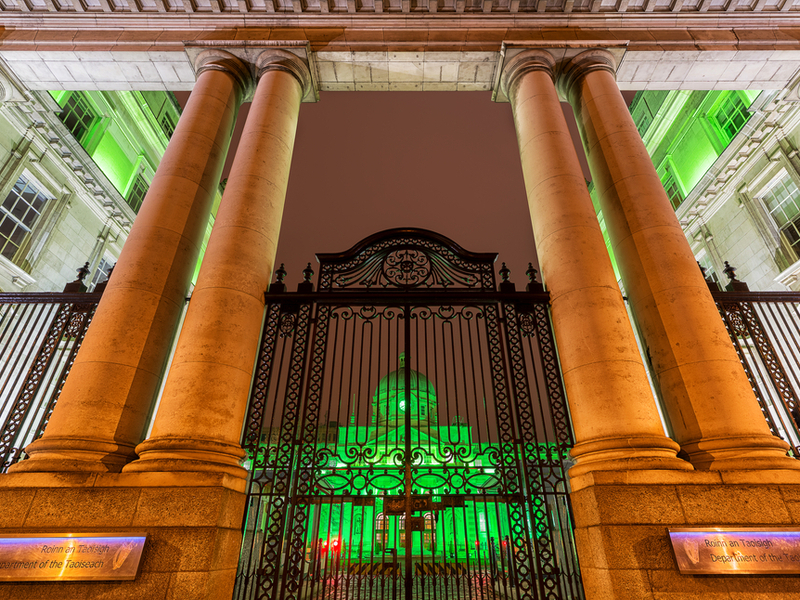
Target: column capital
525, 62
276, 59
577, 67
214, 59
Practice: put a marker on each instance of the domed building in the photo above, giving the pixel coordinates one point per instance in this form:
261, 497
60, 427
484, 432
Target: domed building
390, 403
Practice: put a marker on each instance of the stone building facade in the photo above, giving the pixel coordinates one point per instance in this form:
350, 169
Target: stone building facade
93, 469
76, 167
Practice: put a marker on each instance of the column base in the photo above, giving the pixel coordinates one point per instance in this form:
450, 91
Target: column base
626, 454
739, 453
67, 454
185, 454
621, 522
193, 522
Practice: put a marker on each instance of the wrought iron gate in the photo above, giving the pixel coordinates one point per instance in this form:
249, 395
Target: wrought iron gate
407, 433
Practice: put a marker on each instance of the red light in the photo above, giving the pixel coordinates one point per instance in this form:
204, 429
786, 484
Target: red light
477, 543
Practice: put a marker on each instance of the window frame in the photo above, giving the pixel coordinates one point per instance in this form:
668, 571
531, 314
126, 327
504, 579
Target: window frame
667, 172
96, 121
776, 180
132, 187
22, 249
99, 272
723, 137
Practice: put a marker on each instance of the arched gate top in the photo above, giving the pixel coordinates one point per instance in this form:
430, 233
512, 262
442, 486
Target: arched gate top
406, 259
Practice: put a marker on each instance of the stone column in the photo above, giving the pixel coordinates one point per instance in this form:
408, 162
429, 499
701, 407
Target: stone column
101, 414
614, 415
711, 406
199, 421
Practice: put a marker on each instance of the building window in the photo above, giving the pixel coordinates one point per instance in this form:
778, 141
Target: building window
78, 116
167, 126
643, 123
672, 188
783, 203
101, 274
730, 116
19, 212
137, 193
710, 273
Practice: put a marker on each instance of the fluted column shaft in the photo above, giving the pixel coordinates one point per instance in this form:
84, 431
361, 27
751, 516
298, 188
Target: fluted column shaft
614, 416
711, 405
102, 411
199, 421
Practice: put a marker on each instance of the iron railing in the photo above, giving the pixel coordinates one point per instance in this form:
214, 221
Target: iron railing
40, 334
765, 330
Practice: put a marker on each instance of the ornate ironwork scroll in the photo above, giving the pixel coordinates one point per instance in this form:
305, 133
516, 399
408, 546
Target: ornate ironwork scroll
407, 259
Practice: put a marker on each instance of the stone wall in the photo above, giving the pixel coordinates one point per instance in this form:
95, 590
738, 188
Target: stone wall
622, 520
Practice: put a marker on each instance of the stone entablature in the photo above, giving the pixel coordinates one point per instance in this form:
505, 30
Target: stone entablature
415, 7
402, 70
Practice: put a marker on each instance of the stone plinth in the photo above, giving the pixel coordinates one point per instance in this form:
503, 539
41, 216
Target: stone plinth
622, 518
193, 522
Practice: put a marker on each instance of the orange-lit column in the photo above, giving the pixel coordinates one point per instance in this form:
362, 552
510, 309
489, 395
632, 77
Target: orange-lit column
614, 415
199, 420
711, 406
101, 414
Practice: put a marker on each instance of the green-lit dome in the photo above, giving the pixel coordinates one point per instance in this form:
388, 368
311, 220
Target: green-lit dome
390, 398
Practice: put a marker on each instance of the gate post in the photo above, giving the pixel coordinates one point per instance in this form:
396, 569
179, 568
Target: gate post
199, 422
614, 416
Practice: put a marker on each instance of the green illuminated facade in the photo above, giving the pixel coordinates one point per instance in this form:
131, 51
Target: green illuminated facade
125, 133
728, 163
77, 167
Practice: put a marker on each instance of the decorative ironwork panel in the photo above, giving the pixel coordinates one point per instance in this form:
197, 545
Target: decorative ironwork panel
40, 335
410, 441
765, 330
407, 259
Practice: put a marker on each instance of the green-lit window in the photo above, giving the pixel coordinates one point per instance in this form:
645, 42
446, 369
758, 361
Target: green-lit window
167, 125
730, 116
643, 122
19, 212
672, 188
137, 193
783, 204
78, 116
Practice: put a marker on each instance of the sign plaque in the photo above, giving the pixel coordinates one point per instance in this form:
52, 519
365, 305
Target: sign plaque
71, 556
736, 550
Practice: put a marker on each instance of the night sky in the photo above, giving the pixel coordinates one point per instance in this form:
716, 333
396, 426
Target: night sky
367, 161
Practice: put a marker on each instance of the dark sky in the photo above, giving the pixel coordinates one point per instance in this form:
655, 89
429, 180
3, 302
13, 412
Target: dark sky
367, 161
